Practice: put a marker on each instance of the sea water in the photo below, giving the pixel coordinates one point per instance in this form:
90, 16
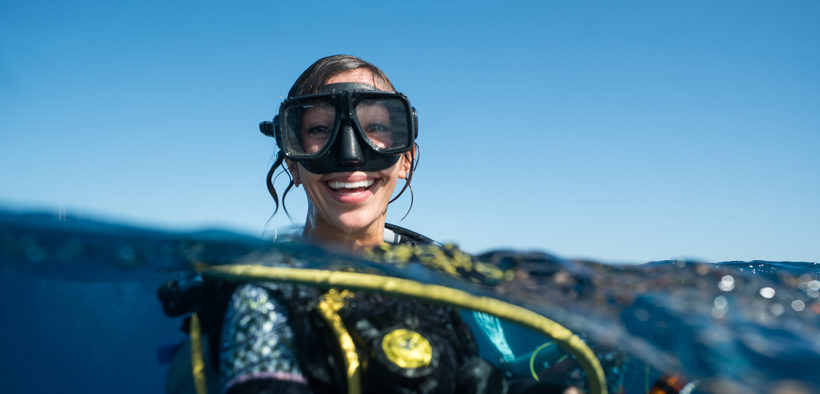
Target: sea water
80, 312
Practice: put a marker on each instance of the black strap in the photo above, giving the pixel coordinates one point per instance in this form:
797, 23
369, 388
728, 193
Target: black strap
406, 236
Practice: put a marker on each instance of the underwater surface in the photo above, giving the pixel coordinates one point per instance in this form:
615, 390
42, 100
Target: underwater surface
80, 309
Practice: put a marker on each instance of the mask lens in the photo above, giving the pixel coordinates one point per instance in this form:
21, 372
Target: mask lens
385, 122
308, 126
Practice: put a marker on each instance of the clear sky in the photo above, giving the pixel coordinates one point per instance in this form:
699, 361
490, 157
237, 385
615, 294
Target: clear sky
619, 131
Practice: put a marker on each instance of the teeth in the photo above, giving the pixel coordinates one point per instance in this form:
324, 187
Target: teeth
350, 185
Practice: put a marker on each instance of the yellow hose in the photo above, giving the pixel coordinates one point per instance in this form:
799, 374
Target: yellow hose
197, 359
329, 307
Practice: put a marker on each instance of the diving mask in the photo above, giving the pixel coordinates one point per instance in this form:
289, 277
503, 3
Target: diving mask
345, 127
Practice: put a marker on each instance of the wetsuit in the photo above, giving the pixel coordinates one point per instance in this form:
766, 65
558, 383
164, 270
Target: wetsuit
273, 340
268, 337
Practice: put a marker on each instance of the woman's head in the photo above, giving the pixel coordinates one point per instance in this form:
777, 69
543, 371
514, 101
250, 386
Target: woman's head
346, 204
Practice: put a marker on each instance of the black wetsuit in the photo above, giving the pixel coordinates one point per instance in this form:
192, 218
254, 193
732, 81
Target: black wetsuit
272, 339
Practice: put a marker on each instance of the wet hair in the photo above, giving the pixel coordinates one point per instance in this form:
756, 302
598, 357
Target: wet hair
316, 76
311, 82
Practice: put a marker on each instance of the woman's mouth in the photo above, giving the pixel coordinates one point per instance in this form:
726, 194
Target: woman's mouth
351, 192
350, 187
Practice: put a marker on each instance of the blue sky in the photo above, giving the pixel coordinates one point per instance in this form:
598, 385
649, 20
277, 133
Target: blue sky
620, 132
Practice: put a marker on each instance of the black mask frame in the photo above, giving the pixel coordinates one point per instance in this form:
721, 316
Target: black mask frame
348, 148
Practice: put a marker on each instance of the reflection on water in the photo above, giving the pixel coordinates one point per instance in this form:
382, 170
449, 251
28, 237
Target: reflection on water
79, 305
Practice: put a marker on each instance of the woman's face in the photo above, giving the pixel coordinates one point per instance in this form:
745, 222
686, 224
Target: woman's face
349, 204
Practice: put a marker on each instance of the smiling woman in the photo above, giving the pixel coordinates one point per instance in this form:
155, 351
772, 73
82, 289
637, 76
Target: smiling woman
347, 138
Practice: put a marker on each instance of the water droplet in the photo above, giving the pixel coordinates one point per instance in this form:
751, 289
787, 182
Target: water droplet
777, 309
767, 292
721, 306
688, 388
798, 305
727, 283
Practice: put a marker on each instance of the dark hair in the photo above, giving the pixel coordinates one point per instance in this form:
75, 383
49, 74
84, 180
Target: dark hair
316, 76
311, 82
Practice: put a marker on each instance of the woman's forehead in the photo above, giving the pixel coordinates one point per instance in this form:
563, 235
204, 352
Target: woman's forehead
359, 75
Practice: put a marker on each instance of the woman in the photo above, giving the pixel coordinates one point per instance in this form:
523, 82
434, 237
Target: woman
348, 183
346, 137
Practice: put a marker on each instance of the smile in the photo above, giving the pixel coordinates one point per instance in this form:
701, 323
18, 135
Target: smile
350, 187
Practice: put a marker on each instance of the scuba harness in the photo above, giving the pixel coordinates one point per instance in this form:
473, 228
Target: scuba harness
375, 342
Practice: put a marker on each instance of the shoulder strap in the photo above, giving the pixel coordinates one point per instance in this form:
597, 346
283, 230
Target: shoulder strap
394, 234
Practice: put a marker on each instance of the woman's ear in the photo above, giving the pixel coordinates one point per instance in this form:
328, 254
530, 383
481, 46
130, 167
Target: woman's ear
293, 169
407, 162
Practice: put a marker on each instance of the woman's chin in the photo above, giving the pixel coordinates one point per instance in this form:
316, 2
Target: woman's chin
357, 221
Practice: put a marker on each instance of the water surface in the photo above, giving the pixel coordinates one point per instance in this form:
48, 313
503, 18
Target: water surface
81, 315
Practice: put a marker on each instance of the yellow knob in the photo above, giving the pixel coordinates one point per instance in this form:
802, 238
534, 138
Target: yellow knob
407, 349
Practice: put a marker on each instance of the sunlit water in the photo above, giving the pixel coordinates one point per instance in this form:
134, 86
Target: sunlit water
80, 312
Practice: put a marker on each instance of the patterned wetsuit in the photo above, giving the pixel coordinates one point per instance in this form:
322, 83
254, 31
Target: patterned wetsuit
257, 341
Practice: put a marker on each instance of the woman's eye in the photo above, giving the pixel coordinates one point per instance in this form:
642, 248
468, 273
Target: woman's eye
318, 130
377, 128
